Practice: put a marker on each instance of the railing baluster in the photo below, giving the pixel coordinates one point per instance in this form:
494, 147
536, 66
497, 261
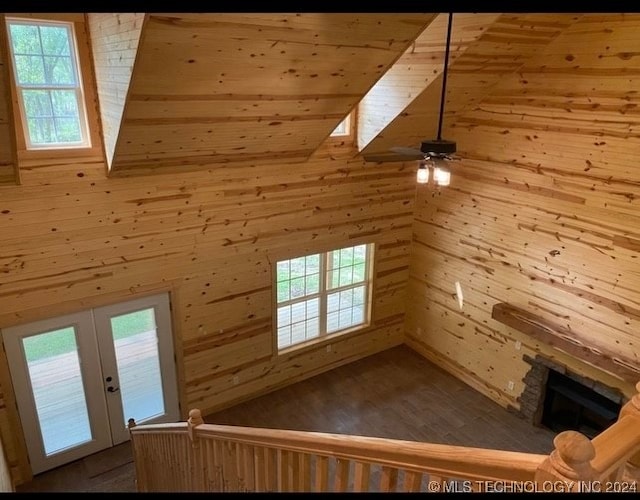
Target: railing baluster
249, 469
388, 479
412, 481
361, 477
210, 471
271, 468
283, 471
342, 475
203, 457
259, 461
322, 474
305, 472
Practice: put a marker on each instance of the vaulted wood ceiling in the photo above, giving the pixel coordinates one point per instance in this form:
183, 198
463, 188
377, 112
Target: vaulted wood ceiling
505, 45
184, 91
250, 87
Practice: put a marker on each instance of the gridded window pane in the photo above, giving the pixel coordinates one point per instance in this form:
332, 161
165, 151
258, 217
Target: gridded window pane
313, 264
313, 328
284, 315
41, 130
55, 40
345, 318
318, 276
346, 257
30, 70
37, 103
346, 299
346, 276
313, 284
297, 267
25, 39
298, 312
334, 278
283, 270
333, 302
283, 291
284, 336
313, 308
358, 315
43, 55
58, 71
332, 322
297, 288
334, 261
358, 273
67, 130
297, 333
358, 295
359, 254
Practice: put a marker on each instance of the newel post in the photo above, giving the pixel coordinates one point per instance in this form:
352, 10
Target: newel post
195, 419
632, 407
568, 464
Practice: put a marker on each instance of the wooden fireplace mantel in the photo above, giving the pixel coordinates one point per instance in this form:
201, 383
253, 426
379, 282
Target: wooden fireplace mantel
564, 340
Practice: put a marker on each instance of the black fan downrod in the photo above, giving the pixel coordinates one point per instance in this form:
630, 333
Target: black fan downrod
442, 146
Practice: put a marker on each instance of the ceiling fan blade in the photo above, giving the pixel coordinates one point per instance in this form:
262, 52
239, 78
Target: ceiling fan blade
408, 151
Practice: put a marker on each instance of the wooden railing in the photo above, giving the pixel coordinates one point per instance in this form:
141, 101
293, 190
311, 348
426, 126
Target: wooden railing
194, 456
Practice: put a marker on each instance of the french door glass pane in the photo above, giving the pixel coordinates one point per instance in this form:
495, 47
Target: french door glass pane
136, 347
58, 391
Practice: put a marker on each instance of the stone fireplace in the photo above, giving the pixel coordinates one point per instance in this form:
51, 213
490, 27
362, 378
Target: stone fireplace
556, 398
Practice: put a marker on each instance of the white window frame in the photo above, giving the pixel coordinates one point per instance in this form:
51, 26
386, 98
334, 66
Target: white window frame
85, 142
343, 129
322, 295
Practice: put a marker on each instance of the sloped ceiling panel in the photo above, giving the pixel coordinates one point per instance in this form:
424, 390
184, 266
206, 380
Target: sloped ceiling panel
8, 163
114, 43
421, 63
504, 47
243, 87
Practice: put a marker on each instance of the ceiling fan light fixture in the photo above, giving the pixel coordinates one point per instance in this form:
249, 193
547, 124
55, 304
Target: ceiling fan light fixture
441, 176
422, 177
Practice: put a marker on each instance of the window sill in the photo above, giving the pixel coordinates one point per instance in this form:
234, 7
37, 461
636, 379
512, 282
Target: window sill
320, 341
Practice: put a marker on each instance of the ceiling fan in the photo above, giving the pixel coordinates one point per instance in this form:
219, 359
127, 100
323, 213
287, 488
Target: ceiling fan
435, 150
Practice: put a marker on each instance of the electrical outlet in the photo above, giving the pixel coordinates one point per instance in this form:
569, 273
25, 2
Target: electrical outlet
419, 331
510, 385
236, 380
518, 345
329, 348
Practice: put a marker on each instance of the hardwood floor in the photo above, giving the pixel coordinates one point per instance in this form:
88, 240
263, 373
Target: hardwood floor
394, 394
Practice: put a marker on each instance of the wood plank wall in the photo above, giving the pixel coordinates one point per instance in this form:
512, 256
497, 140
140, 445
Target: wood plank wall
73, 238
114, 44
418, 68
542, 214
6, 483
8, 165
267, 87
502, 45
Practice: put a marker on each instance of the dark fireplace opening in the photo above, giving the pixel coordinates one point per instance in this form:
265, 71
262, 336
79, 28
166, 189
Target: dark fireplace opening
569, 405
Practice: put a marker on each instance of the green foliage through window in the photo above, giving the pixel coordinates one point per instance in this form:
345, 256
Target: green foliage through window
47, 77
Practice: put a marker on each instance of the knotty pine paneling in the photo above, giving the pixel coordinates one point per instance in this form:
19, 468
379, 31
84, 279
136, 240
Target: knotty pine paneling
8, 167
418, 68
73, 238
114, 44
251, 87
541, 214
485, 53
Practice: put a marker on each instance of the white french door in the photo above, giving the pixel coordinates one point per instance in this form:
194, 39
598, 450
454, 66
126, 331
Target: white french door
79, 378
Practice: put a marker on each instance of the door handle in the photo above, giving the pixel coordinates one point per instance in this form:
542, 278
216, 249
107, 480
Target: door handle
113, 389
